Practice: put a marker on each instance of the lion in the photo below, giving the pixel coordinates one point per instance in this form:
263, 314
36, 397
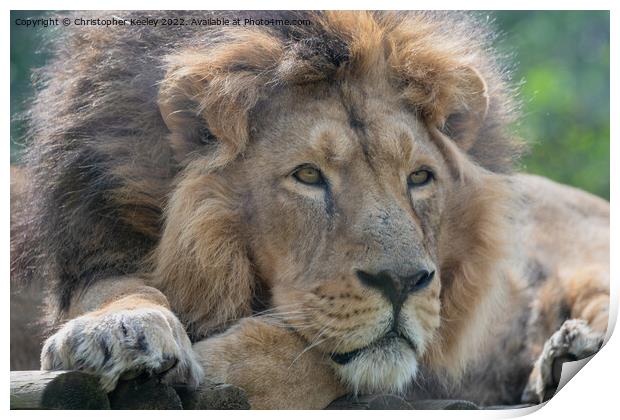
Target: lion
322, 204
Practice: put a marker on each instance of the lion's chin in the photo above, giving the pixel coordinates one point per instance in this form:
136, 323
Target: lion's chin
389, 367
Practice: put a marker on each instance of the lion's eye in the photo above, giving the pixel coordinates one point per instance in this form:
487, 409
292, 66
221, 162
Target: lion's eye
420, 177
309, 175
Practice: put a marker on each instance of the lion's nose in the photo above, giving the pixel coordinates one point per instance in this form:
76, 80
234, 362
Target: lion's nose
395, 287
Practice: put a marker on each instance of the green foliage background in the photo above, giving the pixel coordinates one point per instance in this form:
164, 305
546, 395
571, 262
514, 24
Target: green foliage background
560, 59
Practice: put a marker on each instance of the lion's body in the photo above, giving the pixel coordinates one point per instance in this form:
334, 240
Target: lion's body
134, 205
561, 255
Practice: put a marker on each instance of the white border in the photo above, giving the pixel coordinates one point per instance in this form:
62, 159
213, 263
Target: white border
591, 395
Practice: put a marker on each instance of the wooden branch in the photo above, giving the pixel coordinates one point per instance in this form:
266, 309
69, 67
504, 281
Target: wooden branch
395, 402
214, 397
67, 390
144, 393
34, 389
370, 402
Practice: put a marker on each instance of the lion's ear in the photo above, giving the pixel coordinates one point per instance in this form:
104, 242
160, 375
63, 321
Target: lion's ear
189, 132
206, 112
463, 120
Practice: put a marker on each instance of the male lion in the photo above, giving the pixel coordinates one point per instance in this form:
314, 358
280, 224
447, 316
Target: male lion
304, 211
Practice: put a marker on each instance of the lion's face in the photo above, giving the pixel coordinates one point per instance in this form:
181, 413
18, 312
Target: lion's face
343, 207
350, 167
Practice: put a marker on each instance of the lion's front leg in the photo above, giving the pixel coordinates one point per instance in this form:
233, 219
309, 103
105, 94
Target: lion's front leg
271, 364
118, 329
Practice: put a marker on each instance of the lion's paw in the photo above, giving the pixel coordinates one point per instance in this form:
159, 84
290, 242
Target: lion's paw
123, 344
575, 340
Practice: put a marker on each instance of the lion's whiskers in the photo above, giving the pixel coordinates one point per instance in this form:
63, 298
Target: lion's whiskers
315, 341
277, 309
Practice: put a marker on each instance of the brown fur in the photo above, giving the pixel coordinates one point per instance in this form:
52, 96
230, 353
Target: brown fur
163, 175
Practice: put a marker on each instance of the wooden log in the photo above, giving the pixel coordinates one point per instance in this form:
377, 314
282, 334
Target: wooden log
79, 390
444, 405
214, 397
66, 390
395, 402
507, 407
144, 393
370, 402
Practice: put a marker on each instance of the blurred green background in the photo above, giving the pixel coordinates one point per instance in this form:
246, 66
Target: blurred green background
560, 61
